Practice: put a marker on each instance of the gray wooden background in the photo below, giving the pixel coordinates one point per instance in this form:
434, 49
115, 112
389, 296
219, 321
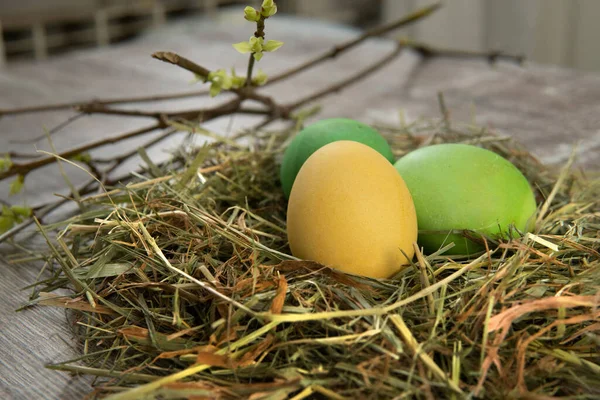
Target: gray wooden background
547, 108
559, 32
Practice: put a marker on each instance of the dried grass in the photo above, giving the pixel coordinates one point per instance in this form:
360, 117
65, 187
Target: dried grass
183, 287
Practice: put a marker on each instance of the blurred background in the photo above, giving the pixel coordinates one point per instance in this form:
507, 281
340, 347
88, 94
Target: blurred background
558, 32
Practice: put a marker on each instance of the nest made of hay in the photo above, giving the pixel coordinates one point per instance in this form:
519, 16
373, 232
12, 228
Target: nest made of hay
183, 287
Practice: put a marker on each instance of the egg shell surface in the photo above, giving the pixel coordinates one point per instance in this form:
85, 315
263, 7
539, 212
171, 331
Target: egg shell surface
349, 209
464, 187
323, 132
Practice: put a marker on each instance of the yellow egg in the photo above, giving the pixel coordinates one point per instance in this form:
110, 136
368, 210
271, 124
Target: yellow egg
350, 209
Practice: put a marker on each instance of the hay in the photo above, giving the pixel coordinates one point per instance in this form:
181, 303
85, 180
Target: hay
183, 287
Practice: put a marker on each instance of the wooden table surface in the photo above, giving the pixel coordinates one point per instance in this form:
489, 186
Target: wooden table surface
547, 109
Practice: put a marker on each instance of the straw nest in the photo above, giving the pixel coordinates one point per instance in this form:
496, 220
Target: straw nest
183, 287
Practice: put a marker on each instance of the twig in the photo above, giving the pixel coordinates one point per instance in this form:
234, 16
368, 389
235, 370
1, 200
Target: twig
100, 109
260, 33
491, 56
23, 169
243, 93
378, 31
176, 59
194, 113
118, 100
255, 111
160, 115
198, 115
249, 71
182, 62
14, 154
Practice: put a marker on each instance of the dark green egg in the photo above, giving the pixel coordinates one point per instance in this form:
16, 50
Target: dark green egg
317, 135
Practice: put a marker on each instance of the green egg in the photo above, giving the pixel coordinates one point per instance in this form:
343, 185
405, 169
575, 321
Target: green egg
462, 187
317, 135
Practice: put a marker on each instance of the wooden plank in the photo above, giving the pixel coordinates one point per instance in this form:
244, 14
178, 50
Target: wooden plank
459, 23
26, 20
553, 35
102, 20
22, 18
83, 36
510, 26
21, 7
31, 339
586, 34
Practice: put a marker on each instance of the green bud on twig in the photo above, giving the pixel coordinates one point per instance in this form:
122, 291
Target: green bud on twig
238, 81
12, 215
219, 80
260, 78
250, 14
257, 46
21, 211
83, 157
17, 185
5, 163
268, 8
6, 223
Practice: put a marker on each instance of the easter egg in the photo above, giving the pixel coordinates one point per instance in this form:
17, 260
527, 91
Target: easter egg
317, 135
349, 209
457, 187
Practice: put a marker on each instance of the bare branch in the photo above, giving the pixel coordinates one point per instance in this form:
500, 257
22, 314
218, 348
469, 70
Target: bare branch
14, 154
491, 56
176, 59
117, 100
23, 169
377, 31
100, 109
200, 115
